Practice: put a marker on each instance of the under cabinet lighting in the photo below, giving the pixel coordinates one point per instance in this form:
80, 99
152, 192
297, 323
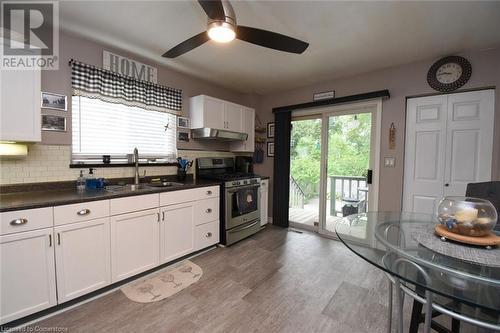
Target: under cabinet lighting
13, 149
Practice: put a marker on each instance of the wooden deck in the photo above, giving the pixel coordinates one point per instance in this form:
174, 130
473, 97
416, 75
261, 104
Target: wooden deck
308, 217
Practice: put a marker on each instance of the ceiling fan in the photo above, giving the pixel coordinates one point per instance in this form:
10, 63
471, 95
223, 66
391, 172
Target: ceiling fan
222, 28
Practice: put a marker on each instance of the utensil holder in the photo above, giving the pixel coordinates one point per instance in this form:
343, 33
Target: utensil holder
181, 175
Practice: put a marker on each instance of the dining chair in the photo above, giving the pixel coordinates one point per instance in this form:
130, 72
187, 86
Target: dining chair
486, 190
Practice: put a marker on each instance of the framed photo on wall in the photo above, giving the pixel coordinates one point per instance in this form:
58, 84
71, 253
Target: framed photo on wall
270, 130
53, 123
270, 149
54, 101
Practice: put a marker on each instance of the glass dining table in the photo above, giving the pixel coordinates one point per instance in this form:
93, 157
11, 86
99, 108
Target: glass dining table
460, 279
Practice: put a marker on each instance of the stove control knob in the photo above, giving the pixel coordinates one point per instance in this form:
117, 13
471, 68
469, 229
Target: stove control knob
245, 182
235, 183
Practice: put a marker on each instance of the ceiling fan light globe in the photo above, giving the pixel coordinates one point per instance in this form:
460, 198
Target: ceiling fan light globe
221, 32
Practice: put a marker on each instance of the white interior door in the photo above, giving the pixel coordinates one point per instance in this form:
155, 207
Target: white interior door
469, 140
449, 143
424, 153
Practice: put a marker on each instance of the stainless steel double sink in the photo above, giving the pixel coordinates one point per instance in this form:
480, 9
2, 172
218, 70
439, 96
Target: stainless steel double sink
142, 186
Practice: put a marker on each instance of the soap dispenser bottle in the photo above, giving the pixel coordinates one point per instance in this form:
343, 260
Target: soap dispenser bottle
80, 182
90, 182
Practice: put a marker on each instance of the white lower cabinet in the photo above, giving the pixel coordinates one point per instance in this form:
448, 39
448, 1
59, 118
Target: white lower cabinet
206, 235
134, 243
83, 260
27, 281
86, 255
176, 231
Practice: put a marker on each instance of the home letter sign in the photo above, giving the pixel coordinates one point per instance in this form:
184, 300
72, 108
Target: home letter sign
129, 67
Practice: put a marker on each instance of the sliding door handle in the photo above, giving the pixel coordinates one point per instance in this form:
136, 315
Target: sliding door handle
369, 177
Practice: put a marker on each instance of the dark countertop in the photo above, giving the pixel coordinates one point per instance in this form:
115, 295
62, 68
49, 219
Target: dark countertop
57, 197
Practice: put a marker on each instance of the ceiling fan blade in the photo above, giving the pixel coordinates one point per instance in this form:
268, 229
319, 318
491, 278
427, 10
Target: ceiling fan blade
270, 39
213, 9
187, 45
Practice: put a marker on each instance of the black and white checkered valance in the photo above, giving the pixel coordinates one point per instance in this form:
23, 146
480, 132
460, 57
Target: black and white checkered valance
94, 82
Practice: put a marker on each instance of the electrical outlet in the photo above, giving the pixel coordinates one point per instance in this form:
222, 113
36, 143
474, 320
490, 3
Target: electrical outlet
389, 162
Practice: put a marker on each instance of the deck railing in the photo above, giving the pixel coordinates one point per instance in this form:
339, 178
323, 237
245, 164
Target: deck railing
346, 187
297, 196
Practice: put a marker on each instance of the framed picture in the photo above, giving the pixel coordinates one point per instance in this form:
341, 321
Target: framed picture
270, 149
182, 122
54, 101
270, 130
53, 123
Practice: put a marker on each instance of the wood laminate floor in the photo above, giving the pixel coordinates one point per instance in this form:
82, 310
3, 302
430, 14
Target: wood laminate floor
275, 281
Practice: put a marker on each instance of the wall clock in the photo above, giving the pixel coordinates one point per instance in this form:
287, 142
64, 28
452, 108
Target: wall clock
449, 73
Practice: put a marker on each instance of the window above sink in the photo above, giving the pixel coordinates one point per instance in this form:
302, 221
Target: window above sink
103, 128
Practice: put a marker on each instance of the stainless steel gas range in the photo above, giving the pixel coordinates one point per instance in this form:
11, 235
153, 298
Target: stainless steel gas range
240, 205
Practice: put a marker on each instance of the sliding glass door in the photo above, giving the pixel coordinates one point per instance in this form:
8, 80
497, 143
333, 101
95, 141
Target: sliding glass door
305, 166
350, 160
334, 165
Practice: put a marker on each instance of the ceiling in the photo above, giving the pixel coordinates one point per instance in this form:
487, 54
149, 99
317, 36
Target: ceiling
346, 38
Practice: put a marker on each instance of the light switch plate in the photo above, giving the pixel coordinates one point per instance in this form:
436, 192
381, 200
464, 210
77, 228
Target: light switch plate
389, 162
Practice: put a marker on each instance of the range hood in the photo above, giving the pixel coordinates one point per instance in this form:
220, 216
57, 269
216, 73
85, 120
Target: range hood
217, 134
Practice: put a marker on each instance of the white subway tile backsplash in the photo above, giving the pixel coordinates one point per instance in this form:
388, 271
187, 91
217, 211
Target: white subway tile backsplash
47, 163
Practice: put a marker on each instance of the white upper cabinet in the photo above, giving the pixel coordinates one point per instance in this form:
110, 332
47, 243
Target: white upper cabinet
20, 105
233, 114
206, 111
248, 127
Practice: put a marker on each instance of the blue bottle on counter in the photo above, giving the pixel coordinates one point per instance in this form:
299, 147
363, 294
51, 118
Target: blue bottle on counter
90, 181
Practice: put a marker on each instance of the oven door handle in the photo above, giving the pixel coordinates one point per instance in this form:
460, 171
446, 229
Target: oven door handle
244, 228
242, 188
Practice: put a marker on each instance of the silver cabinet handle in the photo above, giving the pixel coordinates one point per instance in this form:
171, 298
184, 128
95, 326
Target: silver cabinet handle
209, 210
50, 240
163, 216
83, 212
19, 221
209, 192
208, 235
158, 214
58, 239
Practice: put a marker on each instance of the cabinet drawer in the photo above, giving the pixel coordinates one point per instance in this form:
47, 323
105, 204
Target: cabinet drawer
81, 212
176, 197
25, 220
206, 211
206, 234
132, 204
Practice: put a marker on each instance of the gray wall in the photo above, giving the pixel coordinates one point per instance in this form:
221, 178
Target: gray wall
402, 81
72, 47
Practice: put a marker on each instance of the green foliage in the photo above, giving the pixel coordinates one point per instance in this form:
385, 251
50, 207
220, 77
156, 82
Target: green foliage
348, 149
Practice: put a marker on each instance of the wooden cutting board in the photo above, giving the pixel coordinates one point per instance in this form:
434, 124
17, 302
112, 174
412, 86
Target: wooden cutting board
489, 240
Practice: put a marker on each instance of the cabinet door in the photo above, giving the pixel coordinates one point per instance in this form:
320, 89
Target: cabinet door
213, 113
176, 231
469, 140
248, 126
20, 105
83, 259
134, 243
27, 274
233, 116
264, 195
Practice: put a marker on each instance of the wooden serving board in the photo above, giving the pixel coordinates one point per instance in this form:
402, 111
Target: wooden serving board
489, 240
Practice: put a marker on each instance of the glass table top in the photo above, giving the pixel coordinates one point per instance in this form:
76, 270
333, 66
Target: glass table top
386, 239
